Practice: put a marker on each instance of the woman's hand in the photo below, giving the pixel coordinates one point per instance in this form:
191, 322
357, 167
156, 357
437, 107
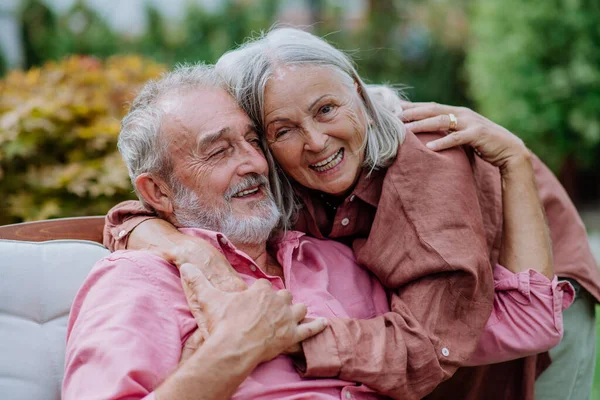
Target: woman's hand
163, 239
209, 261
491, 142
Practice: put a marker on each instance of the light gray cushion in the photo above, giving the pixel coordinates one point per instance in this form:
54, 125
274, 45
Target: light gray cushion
38, 282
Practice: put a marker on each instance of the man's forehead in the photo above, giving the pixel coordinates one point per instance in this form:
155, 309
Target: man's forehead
196, 98
200, 109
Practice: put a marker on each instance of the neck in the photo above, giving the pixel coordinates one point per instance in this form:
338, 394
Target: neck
258, 252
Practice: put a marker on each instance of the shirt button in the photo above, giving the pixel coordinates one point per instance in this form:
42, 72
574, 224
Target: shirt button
345, 221
122, 233
223, 240
352, 198
253, 268
445, 352
348, 395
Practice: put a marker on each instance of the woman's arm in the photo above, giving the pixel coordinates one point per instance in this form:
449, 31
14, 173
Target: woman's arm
130, 226
526, 239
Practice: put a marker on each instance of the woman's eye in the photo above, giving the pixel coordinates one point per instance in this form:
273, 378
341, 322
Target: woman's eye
280, 133
327, 110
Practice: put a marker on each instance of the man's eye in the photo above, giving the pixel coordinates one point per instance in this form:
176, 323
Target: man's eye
216, 153
254, 142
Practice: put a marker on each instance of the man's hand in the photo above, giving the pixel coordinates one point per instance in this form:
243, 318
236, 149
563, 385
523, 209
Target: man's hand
260, 322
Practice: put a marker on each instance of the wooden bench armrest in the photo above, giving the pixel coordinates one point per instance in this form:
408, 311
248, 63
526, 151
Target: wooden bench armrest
83, 228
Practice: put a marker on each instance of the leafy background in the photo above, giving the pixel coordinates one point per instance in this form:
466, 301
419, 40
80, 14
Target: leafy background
531, 66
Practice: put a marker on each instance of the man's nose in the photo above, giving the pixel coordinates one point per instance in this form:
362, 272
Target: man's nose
314, 139
252, 160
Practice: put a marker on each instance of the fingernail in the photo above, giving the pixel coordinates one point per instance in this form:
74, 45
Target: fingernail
431, 145
324, 321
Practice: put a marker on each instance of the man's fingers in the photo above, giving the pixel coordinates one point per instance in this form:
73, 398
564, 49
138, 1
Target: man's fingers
310, 329
285, 295
299, 311
261, 284
454, 139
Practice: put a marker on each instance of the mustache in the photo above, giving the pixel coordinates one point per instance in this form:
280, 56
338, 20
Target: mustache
248, 181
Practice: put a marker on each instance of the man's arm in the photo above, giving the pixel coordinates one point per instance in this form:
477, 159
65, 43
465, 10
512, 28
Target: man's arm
128, 320
123, 337
213, 372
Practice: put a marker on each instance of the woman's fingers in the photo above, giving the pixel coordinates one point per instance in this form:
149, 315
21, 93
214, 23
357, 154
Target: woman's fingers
433, 124
418, 111
458, 138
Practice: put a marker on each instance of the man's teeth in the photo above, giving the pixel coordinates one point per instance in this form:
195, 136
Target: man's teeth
330, 162
245, 192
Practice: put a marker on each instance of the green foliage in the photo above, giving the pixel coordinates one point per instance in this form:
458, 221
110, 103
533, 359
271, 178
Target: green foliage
59, 123
58, 130
533, 67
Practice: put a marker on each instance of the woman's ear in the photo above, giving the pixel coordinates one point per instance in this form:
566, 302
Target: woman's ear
155, 193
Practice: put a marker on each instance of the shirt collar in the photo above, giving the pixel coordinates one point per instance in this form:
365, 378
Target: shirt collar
368, 187
279, 243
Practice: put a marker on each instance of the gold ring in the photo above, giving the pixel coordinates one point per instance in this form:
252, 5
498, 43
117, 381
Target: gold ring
453, 122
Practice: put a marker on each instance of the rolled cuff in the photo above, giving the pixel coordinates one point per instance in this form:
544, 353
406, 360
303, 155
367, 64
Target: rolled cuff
321, 356
526, 318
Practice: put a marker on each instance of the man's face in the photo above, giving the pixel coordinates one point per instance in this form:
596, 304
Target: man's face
219, 170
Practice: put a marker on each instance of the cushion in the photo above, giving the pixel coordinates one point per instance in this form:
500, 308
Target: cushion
38, 281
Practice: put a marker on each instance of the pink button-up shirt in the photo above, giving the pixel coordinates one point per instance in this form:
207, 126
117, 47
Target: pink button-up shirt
130, 319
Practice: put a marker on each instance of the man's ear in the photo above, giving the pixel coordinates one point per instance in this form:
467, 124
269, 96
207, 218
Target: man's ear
155, 192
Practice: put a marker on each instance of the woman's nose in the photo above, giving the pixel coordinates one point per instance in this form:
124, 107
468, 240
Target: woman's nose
314, 140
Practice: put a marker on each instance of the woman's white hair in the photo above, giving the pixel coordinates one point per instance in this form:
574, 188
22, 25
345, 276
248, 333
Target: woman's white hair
248, 69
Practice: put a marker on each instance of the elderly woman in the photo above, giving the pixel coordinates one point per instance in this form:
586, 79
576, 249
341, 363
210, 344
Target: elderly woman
428, 224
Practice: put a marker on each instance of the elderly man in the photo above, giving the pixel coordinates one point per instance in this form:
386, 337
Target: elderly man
196, 160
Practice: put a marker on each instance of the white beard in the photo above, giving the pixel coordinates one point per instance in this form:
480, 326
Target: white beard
191, 212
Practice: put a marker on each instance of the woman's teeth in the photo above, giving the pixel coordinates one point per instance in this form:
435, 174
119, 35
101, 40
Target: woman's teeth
330, 162
245, 192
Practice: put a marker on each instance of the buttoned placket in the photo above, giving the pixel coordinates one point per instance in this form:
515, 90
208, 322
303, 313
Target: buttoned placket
344, 221
231, 253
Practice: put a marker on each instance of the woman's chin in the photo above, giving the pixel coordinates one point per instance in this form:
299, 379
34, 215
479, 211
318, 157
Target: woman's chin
337, 188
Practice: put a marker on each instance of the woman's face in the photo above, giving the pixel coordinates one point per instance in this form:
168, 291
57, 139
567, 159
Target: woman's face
315, 127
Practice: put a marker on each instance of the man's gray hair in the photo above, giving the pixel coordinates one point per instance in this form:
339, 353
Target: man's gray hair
248, 69
142, 147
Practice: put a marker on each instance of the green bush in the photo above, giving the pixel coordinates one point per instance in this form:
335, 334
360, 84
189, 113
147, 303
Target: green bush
534, 68
58, 130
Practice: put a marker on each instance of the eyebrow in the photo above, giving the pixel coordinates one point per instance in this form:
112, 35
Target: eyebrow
316, 101
211, 138
310, 108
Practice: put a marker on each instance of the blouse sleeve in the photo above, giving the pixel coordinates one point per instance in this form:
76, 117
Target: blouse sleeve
121, 220
526, 318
